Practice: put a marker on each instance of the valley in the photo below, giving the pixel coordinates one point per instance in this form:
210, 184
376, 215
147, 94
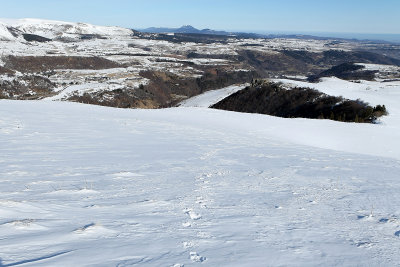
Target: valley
125, 68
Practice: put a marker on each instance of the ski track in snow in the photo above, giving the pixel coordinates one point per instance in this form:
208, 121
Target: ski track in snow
178, 187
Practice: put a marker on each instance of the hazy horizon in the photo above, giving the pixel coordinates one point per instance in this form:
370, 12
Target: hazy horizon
345, 35
356, 16
388, 37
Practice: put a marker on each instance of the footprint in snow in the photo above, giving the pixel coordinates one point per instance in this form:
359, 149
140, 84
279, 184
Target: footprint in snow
200, 200
193, 215
391, 219
188, 244
397, 233
187, 224
384, 220
202, 203
196, 257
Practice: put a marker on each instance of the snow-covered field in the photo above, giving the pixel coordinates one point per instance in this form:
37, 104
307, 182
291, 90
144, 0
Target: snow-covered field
380, 140
86, 185
212, 97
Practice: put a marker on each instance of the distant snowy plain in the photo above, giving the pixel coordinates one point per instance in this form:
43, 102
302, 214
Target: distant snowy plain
85, 185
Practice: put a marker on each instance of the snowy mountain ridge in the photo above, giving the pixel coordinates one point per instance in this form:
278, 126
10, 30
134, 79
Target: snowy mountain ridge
12, 29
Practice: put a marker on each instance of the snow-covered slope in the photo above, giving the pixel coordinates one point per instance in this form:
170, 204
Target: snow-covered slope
375, 93
381, 139
53, 29
5, 34
212, 97
186, 186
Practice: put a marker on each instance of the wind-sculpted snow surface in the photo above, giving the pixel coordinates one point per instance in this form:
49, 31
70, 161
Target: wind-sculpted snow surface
189, 186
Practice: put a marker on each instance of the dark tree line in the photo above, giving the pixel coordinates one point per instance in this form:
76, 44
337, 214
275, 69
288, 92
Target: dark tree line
273, 99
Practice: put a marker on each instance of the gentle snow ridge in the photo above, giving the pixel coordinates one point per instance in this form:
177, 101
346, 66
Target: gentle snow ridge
381, 139
52, 29
5, 34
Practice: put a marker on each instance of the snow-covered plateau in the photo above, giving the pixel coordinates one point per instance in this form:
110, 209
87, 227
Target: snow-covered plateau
84, 185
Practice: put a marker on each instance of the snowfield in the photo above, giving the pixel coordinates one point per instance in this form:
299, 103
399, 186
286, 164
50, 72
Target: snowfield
86, 185
380, 140
212, 97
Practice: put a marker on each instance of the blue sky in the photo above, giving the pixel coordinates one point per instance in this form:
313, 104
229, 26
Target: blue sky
354, 16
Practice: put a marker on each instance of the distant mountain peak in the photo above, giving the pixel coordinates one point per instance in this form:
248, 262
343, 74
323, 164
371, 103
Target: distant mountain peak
185, 29
188, 27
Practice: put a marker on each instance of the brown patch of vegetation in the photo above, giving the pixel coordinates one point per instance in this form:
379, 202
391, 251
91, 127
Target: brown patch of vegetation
270, 64
6, 71
120, 98
288, 62
28, 87
165, 87
48, 63
212, 56
2, 95
216, 78
164, 84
